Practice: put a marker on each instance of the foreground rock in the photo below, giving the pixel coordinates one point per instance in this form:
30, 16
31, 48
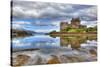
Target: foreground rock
21, 60
54, 56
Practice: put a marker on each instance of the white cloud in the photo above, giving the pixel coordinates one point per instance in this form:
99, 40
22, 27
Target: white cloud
16, 26
89, 23
88, 13
31, 9
19, 24
18, 43
92, 12
56, 23
38, 9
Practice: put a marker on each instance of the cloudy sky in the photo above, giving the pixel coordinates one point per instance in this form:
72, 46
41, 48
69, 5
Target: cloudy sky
43, 16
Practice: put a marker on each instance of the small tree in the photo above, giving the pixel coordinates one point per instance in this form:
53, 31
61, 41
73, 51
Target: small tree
68, 28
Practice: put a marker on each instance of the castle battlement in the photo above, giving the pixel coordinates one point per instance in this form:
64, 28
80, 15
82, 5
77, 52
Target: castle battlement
75, 23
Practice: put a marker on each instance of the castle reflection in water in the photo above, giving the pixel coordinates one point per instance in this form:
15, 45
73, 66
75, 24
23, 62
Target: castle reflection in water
76, 41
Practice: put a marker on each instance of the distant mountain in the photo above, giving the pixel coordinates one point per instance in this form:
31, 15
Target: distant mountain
41, 33
21, 33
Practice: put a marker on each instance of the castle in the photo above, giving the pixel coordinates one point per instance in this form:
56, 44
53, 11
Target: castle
75, 23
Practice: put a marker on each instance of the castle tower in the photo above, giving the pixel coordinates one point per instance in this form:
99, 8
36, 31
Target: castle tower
75, 22
63, 25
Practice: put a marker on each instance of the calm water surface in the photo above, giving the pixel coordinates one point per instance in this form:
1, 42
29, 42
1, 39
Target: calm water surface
62, 49
45, 41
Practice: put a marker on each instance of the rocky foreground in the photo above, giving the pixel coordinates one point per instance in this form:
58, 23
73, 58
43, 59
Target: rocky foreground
54, 56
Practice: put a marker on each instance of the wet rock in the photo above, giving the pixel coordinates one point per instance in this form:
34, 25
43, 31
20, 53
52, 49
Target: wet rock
38, 61
54, 56
64, 59
71, 59
53, 60
21, 60
93, 52
80, 58
93, 55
